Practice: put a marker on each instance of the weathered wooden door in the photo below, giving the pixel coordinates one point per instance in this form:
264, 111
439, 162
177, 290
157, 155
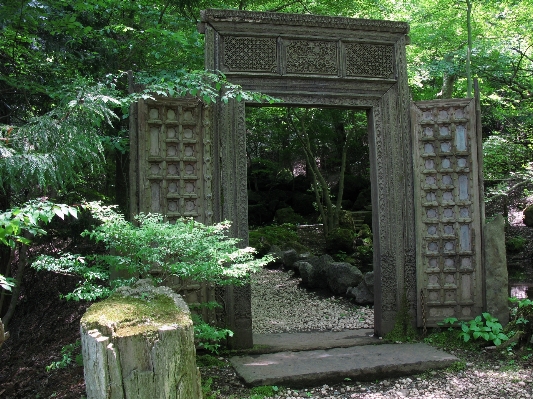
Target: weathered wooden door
171, 161
449, 211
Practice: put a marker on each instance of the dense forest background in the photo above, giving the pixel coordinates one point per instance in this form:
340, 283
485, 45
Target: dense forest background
64, 94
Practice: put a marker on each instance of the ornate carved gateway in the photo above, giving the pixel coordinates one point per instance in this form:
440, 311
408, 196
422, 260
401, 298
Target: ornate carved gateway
190, 160
309, 60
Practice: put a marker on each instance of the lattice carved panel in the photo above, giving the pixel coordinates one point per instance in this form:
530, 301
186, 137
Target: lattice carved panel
448, 210
369, 60
250, 54
278, 55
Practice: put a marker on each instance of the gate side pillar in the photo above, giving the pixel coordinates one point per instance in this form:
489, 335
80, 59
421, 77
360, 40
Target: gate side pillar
231, 203
392, 201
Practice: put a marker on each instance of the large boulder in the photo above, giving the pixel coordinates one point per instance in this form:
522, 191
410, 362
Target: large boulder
341, 275
289, 258
363, 293
528, 216
139, 343
313, 271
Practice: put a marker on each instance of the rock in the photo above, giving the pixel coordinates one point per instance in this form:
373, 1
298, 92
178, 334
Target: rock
341, 275
528, 216
139, 343
289, 258
313, 271
369, 281
496, 277
277, 254
361, 293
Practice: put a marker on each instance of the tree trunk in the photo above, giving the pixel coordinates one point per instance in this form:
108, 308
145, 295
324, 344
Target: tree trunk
22, 263
134, 351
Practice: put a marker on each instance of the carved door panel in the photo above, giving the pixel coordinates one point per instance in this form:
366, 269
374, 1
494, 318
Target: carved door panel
448, 210
174, 172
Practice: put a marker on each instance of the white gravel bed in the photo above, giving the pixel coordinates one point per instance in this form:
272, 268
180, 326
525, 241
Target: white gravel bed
468, 384
280, 305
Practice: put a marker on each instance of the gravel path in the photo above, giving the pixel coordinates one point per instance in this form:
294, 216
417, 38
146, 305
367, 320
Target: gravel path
280, 305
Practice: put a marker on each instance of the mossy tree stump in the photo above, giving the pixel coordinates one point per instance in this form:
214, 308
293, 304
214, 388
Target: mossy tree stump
139, 344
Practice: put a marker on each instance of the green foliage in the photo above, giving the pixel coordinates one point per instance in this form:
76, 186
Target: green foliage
521, 323
501, 157
265, 237
185, 248
340, 240
515, 244
206, 389
288, 216
51, 150
208, 337
264, 391
28, 219
70, 354
488, 329
209, 360
485, 327
6, 283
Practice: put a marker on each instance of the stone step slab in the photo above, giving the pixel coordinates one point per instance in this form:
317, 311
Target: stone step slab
331, 366
303, 341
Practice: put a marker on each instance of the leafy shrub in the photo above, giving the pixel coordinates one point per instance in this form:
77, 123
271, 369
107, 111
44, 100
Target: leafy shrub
186, 249
485, 327
70, 354
263, 238
208, 337
515, 244
340, 240
521, 324
287, 215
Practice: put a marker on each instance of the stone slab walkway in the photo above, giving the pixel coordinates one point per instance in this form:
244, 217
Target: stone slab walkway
358, 363
303, 341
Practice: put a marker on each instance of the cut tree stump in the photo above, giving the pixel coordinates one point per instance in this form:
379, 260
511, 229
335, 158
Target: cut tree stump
139, 344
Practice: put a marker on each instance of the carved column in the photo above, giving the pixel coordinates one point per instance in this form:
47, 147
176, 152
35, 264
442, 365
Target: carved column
233, 200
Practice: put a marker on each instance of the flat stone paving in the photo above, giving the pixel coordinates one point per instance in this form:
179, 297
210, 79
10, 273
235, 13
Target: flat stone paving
329, 366
302, 341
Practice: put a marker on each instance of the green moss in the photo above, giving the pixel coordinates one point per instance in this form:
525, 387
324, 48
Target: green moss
403, 330
127, 316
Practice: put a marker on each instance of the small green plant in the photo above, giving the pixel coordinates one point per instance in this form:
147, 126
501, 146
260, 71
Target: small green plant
206, 389
71, 353
208, 337
485, 327
450, 321
264, 391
